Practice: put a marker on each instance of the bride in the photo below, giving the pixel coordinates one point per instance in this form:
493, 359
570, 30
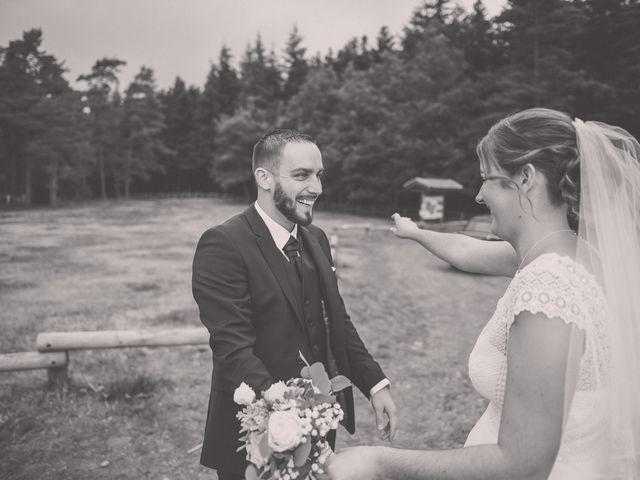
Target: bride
559, 359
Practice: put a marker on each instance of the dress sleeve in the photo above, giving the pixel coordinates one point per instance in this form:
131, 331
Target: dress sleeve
555, 291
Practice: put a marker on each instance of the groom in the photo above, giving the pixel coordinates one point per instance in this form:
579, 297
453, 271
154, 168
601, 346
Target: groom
266, 290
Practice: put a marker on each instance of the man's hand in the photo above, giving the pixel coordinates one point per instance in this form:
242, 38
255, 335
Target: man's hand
383, 405
357, 463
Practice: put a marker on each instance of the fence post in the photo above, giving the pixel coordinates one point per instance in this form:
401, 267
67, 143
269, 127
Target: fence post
58, 376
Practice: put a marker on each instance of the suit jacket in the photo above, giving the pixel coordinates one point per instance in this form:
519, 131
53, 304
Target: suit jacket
256, 326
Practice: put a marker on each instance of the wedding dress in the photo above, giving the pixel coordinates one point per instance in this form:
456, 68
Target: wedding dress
558, 287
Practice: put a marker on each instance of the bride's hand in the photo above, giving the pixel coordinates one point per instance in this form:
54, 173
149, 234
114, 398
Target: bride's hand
404, 227
357, 463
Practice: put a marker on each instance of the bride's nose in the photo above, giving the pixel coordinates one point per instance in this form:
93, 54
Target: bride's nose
480, 198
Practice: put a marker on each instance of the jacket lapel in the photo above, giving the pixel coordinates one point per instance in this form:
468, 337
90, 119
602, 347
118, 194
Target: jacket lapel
273, 257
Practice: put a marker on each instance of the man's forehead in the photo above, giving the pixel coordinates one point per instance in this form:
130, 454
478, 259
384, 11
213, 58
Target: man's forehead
301, 155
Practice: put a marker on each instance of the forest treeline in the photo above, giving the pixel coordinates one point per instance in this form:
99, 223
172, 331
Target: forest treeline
382, 110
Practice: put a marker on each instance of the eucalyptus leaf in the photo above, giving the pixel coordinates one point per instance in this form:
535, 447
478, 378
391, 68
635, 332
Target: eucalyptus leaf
301, 454
251, 473
320, 378
339, 383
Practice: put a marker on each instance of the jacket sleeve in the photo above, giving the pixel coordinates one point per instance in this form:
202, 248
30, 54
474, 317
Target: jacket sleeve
221, 290
365, 371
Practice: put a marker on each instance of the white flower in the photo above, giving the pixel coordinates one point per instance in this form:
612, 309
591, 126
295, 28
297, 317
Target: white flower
285, 431
275, 392
244, 395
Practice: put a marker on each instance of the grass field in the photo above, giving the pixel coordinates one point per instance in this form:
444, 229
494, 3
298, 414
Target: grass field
134, 413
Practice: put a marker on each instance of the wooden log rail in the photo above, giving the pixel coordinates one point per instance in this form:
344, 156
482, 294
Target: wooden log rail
66, 341
31, 361
54, 347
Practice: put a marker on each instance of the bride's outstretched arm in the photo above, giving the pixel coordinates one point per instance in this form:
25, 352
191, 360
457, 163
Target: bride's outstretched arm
530, 430
461, 251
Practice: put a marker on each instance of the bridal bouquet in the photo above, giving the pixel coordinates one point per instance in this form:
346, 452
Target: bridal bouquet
285, 429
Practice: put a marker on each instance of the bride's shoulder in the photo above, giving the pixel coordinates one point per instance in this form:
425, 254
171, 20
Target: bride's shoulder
560, 272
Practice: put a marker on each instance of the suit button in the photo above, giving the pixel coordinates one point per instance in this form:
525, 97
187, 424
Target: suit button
307, 302
316, 349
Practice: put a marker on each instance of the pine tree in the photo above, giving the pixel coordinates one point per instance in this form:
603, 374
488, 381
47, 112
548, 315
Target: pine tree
609, 50
539, 38
296, 66
142, 123
260, 79
180, 135
384, 45
60, 141
27, 75
102, 86
237, 135
228, 83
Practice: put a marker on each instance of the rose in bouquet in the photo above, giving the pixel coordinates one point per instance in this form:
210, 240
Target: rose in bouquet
285, 429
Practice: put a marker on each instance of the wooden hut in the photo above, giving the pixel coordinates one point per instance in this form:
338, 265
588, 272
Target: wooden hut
434, 192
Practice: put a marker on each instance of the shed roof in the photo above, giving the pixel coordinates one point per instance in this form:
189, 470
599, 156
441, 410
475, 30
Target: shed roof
426, 184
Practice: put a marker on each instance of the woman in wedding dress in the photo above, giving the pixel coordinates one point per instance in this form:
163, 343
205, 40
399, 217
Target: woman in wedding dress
558, 361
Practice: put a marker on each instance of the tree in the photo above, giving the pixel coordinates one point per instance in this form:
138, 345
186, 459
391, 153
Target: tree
236, 137
478, 40
539, 37
27, 75
296, 66
60, 141
142, 123
609, 50
260, 80
384, 45
103, 84
181, 136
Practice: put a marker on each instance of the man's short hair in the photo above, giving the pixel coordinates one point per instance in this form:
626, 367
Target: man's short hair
268, 150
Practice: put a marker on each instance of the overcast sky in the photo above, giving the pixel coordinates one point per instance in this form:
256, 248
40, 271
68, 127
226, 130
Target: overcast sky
182, 37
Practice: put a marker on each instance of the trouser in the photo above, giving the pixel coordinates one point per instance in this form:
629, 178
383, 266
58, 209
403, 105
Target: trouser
222, 475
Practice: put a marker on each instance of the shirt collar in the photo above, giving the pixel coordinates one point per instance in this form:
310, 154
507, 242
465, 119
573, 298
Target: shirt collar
279, 234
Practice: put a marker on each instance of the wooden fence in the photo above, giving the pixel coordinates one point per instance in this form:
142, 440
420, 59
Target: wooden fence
53, 348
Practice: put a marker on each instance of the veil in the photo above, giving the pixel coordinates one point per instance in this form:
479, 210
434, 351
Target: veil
609, 245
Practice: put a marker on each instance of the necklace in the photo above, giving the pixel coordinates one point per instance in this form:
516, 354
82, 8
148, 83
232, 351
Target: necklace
539, 242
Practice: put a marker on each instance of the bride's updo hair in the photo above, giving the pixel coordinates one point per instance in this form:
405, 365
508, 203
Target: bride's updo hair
547, 140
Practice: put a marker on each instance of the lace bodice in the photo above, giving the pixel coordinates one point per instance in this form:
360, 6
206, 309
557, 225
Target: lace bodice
560, 288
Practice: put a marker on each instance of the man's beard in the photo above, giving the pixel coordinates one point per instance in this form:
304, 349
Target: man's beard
287, 206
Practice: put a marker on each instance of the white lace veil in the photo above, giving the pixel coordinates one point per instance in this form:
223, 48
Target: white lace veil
609, 233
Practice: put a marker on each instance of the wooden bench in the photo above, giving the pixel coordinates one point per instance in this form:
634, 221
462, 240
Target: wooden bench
54, 362
54, 347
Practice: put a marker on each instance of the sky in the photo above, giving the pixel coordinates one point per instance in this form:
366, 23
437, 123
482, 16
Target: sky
183, 37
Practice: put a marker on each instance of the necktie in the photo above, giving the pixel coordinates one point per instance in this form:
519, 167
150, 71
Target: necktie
292, 250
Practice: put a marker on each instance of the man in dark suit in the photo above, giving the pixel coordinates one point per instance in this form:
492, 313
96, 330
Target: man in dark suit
266, 290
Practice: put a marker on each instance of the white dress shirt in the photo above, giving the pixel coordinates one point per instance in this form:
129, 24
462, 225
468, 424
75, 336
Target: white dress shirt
281, 236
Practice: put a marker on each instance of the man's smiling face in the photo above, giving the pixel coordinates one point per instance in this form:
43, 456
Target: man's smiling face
298, 182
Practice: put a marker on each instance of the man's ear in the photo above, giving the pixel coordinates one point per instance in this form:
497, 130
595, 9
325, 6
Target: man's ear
264, 178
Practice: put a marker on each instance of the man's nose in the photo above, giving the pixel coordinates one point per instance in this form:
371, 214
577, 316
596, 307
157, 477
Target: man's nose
479, 198
315, 187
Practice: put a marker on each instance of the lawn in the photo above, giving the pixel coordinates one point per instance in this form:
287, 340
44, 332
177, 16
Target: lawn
135, 413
